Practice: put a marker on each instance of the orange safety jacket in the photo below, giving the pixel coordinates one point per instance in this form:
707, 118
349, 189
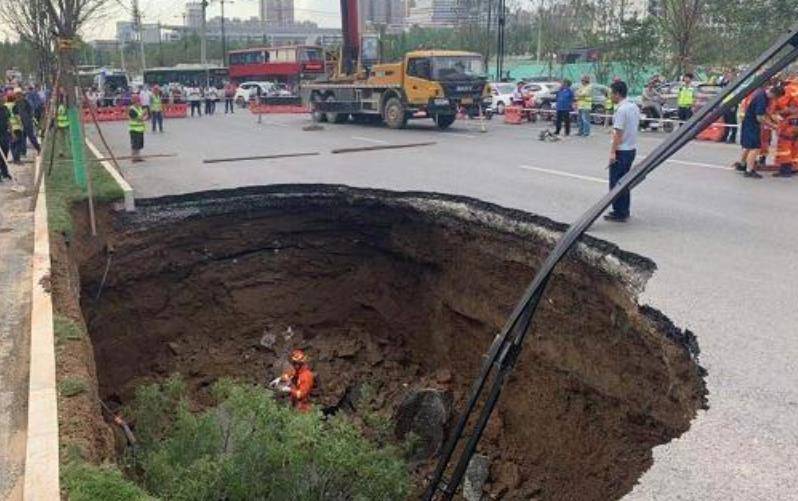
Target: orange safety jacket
301, 382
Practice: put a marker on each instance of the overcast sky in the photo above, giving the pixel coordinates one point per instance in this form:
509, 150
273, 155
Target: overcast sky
323, 12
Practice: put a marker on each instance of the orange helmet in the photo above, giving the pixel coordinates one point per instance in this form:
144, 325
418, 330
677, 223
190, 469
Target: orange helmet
298, 357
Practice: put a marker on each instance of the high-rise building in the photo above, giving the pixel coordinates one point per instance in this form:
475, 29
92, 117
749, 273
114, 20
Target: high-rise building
192, 18
277, 12
434, 13
382, 11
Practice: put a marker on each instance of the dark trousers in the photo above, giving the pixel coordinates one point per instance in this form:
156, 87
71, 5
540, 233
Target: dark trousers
157, 119
196, 105
563, 116
623, 162
730, 117
3, 167
685, 114
29, 134
228, 105
17, 141
208, 107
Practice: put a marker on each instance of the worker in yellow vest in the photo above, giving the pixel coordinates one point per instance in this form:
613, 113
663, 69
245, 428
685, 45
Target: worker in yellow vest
14, 126
137, 126
5, 142
685, 98
584, 106
156, 109
62, 125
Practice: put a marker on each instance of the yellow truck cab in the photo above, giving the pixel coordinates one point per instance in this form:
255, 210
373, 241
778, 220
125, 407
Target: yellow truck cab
425, 84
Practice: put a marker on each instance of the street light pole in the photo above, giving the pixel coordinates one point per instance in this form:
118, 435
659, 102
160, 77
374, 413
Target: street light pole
204, 43
224, 39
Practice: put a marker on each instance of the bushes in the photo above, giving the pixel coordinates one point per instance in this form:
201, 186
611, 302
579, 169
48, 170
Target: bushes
104, 483
251, 447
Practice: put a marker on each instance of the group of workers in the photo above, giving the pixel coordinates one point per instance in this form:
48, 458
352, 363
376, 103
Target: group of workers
18, 117
769, 111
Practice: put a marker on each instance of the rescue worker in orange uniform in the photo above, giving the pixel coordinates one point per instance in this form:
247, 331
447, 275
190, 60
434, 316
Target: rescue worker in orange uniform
787, 145
297, 382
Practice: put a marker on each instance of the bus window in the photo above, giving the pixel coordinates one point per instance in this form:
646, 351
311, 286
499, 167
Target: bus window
307, 54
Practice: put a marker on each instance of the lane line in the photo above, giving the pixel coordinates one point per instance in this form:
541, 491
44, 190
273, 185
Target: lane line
564, 174
699, 164
369, 140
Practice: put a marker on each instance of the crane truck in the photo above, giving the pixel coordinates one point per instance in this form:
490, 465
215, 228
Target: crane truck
424, 84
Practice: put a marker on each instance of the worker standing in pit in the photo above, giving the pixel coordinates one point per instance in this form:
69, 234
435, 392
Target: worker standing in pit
137, 115
62, 124
787, 145
297, 382
685, 99
584, 106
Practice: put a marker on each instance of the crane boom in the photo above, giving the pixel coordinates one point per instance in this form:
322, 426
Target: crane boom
350, 28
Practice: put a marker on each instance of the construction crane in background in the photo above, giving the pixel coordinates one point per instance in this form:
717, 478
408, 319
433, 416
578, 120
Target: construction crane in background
508, 344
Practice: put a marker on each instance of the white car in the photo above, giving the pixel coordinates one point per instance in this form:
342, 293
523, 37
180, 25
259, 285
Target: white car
501, 96
248, 90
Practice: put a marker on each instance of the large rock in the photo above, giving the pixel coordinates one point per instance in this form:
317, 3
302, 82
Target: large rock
475, 477
424, 413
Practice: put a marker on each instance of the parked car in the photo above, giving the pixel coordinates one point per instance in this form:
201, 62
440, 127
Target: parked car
248, 90
500, 95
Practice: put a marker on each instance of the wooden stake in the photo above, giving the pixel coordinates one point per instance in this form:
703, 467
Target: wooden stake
263, 157
384, 147
102, 136
49, 123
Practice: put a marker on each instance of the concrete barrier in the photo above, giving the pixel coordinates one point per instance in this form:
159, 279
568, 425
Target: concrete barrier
41, 456
130, 199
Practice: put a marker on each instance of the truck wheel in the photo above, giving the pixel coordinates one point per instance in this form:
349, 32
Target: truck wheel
394, 114
444, 121
317, 116
337, 118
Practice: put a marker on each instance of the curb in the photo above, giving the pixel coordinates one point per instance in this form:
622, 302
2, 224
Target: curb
130, 199
41, 457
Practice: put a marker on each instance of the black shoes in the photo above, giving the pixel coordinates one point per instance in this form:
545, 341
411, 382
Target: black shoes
752, 174
784, 171
615, 218
739, 166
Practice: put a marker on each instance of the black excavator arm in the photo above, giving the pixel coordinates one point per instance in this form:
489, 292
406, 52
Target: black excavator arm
507, 345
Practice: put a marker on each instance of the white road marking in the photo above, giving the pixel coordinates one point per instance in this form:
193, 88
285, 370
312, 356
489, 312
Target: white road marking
564, 174
699, 164
369, 140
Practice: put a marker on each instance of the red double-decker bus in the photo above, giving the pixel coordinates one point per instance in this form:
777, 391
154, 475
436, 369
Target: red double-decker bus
289, 64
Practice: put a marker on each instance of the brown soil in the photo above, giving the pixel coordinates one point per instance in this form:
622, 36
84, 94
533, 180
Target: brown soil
401, 291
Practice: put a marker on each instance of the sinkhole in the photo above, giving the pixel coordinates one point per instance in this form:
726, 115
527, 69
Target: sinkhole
403, 290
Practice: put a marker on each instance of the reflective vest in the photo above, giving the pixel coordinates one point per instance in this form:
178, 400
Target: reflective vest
137, 120
13, 120
686, 97
608, 104
61, 118
156, 104
584, 97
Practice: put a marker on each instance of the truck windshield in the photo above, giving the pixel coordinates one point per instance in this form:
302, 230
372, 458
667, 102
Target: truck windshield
453, 67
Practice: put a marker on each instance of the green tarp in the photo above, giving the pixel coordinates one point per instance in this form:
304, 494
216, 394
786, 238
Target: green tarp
76, 142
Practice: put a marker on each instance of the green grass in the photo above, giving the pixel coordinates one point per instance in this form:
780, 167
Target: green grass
66, 330
71, 387
62, 191
86, 482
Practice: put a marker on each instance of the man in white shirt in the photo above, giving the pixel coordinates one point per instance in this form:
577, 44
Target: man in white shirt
144, 97
625, 124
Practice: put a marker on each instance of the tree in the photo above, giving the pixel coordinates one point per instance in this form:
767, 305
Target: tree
28, 19
632, 49
680, 23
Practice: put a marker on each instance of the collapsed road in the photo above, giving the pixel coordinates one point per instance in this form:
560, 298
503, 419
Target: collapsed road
404, 290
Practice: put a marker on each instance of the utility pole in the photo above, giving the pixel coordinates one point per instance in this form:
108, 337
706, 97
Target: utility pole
204, 43
224, 38
488, 37
500, 45
540, 32
139, 29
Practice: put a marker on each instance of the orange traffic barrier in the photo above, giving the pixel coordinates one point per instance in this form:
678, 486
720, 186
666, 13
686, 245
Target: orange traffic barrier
179, 110
714, 132
512, 115
263, 109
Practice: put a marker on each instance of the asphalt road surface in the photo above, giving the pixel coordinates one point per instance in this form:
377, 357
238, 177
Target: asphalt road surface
726, 248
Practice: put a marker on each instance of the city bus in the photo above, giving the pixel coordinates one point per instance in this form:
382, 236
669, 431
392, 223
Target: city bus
187, 74
290, 64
